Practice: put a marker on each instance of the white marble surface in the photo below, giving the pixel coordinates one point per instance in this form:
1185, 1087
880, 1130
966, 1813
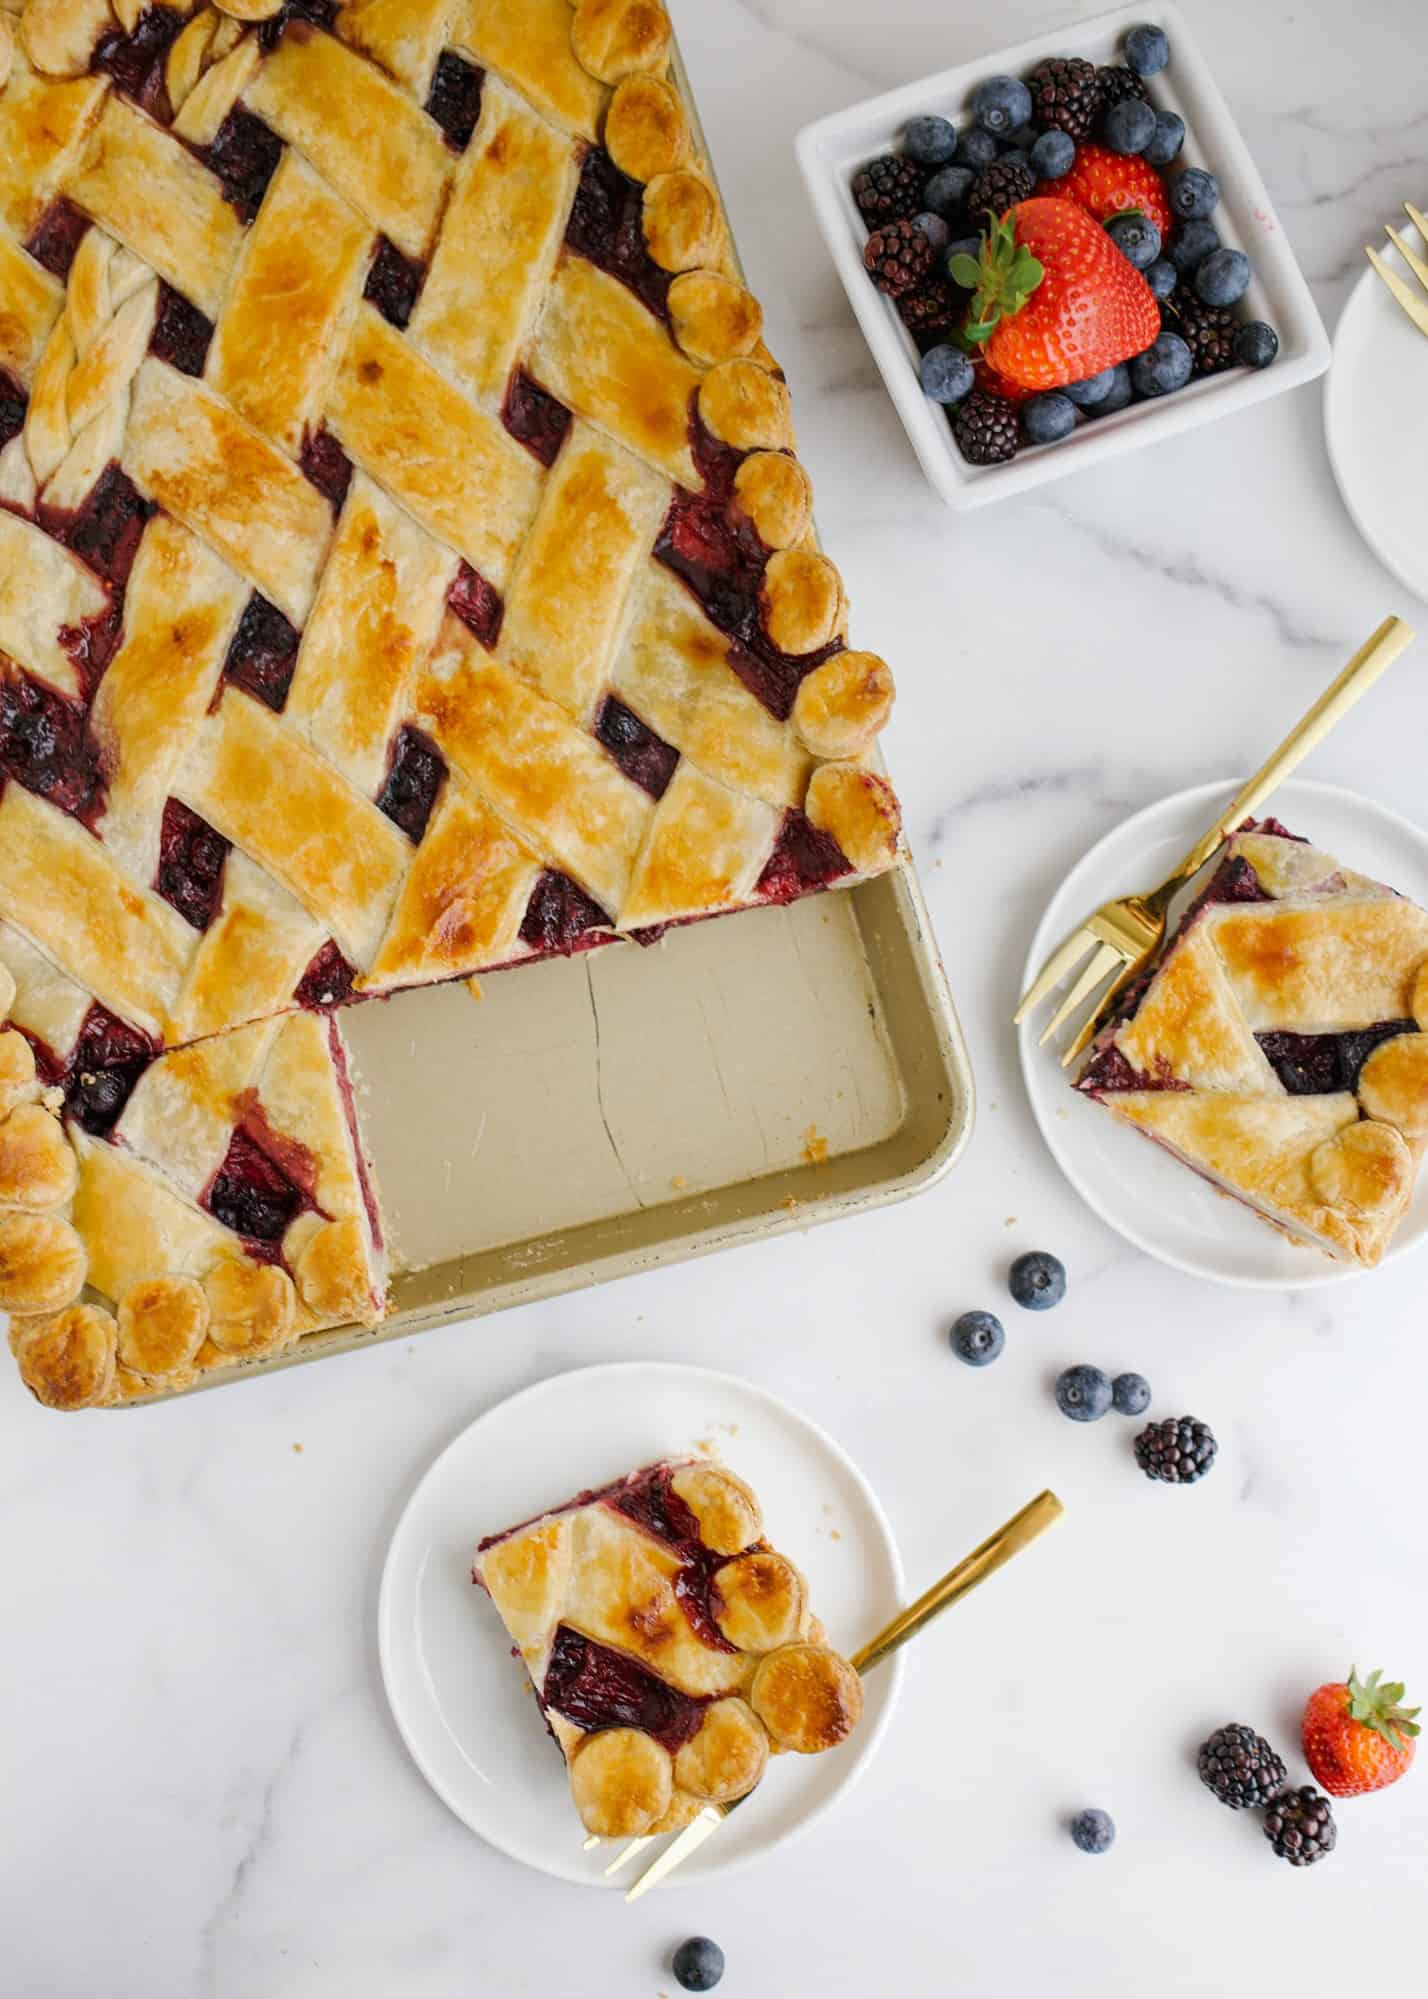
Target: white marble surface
203, 1794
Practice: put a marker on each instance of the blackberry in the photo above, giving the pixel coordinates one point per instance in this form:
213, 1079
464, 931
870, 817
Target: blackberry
1118, 82
888, 188
897, 256
1299, 1825
986, 429
1207, 330
930, 313
1240, 1767
1176, 1451
1066, 93
1001, 186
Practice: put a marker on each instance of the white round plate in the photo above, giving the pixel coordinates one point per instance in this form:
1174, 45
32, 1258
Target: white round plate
1136, 1187
1376, 394
464, 1705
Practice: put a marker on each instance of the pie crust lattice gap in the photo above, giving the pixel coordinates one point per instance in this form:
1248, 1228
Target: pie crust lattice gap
405, 572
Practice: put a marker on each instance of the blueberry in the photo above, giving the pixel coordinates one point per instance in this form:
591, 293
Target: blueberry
1001, 104
1054, 154
1130, 125
1131, 1394
1223, 278
1161, 276
1083, 1393
978, 1338
976, 149
1191, 244
1037, 1280
930, 141
946, 192
1022, 139
1256, 344
1094, 1831
1147, 50
1137, 239
1166, 140
1163, 368
698, 1964
1047, 419
935, 229
1093, 391
1119, 393
1193, 194
946, 374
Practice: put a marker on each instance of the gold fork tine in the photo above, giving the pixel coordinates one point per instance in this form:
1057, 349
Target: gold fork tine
1402, 291
1410, 257
635, 1847
1416, 217
1100, 1012
1108, 957
1054, 971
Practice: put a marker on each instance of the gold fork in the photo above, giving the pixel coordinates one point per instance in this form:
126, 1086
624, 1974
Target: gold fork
1123, 935
1009, 1539
1415, 306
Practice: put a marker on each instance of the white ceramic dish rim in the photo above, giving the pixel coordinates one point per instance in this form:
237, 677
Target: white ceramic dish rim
868, 1741
1336, 428
1323, 1270
830, 149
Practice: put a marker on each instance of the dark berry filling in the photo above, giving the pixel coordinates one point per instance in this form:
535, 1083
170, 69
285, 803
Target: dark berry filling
338, 1054
393, 282
414, 777
326, 465
108, 1060
12, 407
607, 226
560, 916
181, 332
191, 858
647, 759
244, 155
1319, 1065
327, 982
321, 13
650, 1500
263, 653
251, 1194
106, 530
136, 61
479, 606
535, 419
455, 99
596, 1687
45, 745
804, 859
55, 237
1111, 1071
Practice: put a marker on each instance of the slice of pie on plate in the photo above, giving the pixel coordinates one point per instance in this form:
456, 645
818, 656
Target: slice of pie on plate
671, 1649
1279, 1046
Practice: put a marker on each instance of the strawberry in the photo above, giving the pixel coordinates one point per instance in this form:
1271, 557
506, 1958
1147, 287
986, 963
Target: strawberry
1105, 183
1356, 1735
1055, 301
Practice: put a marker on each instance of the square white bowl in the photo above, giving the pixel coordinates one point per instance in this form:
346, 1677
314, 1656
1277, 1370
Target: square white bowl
831, 151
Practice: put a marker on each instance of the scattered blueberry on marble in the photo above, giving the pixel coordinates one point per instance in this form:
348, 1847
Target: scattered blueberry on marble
1053, 154
1037, 1280
946, 374
1147, 49
1194, 193
1131, 1394
976, 149
1130, 125
1137, 239
698, 1965
930, 141
1047, 419
1119, 394
1162, 277
1094, 1831
1163, 368
1256, 344
1166, 140
1083, 1393
946, 192
978, 1338
1223, 278
1000, 104
1093, 391
935, 229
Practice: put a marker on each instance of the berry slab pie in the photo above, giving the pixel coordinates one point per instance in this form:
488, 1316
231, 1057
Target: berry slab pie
670, 1648
405, 572
1280, 1045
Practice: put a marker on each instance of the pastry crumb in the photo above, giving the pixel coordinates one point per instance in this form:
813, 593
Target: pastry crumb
473, 986
815, 1146
1010, 1222
298, 1449
679, 1182
834, 1535
707, 1445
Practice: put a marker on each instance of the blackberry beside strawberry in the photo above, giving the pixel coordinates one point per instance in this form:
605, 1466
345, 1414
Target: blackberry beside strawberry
1000, 187
986, 429
898, 256
1066, 95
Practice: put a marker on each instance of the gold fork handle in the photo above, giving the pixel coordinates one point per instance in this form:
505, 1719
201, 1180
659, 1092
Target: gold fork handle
1392, 638
1010, 1538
